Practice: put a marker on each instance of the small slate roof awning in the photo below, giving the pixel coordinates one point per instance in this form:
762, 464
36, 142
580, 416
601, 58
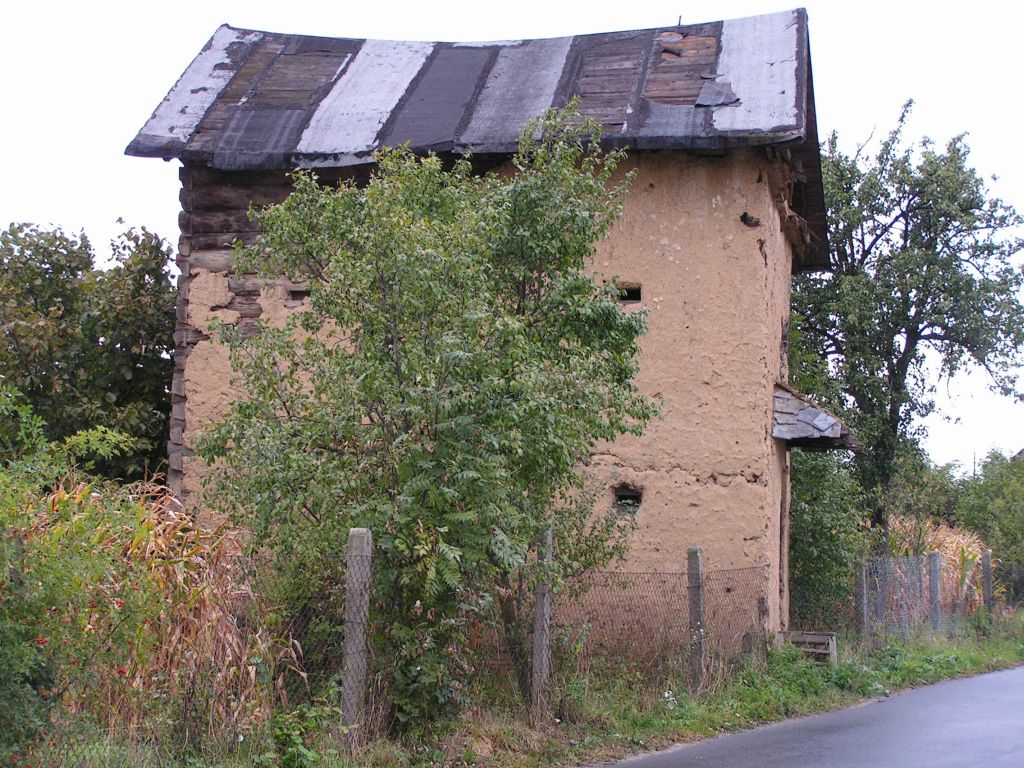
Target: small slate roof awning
261, 100
804, 424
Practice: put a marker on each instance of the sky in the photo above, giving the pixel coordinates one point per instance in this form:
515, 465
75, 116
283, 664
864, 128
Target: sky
78, 80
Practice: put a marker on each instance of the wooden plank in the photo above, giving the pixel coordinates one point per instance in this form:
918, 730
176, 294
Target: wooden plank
225, 197
246, 285
221, 240
214, 261
203, 222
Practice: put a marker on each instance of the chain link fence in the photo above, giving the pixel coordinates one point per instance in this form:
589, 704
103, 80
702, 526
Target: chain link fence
902, 597
249, 658
660, 624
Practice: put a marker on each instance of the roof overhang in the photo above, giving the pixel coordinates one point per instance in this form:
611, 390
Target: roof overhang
802, 423
260, 100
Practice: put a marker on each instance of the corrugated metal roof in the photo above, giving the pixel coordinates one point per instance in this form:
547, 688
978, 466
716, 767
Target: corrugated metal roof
260, 100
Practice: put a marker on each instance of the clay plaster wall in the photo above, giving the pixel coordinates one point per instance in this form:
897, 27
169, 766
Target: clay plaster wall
702, 237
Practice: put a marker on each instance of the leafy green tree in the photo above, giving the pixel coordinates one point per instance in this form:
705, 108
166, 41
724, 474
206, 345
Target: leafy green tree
453, 371
922, 271
828, 538
993, 505
87, 346
921, 495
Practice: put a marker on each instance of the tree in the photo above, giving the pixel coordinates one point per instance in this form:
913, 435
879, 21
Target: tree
89, 347
453, 371
828, 538
922, 271
993, 505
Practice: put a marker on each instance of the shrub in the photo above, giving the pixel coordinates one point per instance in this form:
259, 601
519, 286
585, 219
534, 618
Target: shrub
828, 539
453, 370
116, 607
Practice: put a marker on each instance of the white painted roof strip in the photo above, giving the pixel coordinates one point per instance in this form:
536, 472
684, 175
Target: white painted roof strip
184, 106
758, 59
521, 85
350, 116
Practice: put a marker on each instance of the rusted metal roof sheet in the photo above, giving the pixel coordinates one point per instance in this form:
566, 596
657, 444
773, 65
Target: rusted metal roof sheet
260, 100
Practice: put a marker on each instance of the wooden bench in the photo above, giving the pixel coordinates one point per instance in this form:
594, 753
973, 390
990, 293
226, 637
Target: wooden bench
820, 646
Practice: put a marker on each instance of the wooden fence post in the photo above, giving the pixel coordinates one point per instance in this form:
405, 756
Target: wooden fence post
934, 589
863, 609
695, 589
986, 580
884, 569
541, 636
354, 660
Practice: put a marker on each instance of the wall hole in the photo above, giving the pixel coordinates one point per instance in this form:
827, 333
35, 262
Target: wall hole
630, 293
627, 499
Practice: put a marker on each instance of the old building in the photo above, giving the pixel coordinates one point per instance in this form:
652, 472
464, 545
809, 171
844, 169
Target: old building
718, 120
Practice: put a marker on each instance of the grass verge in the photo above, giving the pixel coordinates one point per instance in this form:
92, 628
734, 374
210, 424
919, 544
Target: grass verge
610, 712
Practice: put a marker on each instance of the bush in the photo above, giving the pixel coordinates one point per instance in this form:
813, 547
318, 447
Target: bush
116, 607
992, 503
828, 539
453, 370
72, 607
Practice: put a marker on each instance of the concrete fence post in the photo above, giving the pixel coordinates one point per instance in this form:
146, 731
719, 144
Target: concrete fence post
934, 589
541, 636
986, 580
354, 660
695, 589
863, 609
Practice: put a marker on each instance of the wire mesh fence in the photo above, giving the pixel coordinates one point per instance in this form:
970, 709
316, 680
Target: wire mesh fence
248, 656
211, 683
895, 596
647, 621
899, 597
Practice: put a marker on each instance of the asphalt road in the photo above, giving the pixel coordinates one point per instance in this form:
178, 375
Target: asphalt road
976, 721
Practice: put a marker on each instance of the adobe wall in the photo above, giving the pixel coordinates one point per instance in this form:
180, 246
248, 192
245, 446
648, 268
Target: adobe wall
702, 236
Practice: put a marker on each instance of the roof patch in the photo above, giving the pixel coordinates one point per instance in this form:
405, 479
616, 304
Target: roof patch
197, 89
352, 114
435, 106
759, 59
521, 85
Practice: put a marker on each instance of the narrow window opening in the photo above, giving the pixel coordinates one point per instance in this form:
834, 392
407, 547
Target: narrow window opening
627, 499
629, 293
298, 294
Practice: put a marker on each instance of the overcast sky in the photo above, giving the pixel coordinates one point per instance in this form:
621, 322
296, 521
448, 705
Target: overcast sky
78, 80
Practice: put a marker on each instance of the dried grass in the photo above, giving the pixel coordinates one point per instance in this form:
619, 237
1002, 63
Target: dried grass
961, 550
202, 663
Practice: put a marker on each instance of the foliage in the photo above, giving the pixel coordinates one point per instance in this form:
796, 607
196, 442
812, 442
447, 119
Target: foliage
66, 594
115, 604
292, 733
87, 346
828, 538
453, 369
921, 257
921, 496
992, 503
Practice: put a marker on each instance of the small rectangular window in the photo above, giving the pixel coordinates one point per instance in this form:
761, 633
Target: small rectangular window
629, 293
